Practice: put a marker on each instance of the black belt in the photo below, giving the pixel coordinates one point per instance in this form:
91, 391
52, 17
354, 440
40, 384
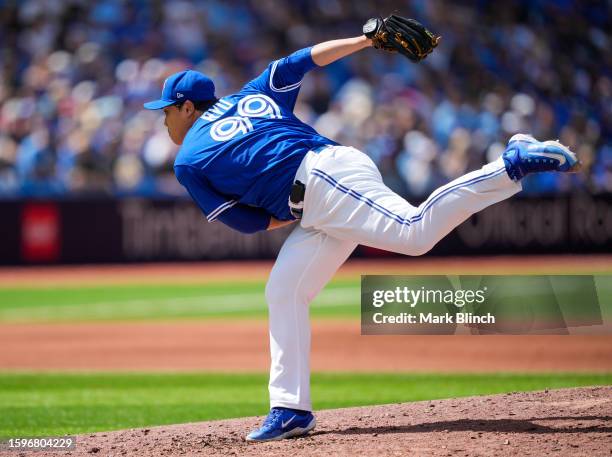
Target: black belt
296, 199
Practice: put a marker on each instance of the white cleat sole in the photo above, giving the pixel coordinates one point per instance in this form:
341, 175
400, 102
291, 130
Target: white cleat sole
522, 137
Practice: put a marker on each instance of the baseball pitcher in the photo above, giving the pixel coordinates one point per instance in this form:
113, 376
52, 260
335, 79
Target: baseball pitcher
249, 162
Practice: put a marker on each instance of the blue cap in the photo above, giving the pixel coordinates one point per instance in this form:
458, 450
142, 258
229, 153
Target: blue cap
184, 85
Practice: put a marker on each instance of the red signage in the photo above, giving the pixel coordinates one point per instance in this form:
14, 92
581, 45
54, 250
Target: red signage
40, 232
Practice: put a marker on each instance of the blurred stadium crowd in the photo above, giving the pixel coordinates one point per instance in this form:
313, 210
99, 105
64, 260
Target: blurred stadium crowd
74, 75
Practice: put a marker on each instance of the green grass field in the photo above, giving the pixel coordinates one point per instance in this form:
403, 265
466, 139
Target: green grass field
57, 404
166, 301
340, 299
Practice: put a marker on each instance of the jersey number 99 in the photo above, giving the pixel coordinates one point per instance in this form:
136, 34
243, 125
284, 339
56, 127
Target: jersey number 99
251, 106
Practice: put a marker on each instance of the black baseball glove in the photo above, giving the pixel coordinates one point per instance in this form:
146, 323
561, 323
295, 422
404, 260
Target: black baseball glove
401, 34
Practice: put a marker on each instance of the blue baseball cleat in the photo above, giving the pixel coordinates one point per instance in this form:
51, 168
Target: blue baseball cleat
524, 154
283, 423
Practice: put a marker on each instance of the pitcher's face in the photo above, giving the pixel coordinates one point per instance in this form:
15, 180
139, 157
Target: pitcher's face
178, 120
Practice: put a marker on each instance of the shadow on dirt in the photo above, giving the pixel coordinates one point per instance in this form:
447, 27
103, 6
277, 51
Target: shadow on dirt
487, 425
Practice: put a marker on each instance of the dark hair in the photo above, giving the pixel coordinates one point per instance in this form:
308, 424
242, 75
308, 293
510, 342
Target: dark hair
202, 105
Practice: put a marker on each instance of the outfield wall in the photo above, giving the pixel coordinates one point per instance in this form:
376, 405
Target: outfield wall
136, 230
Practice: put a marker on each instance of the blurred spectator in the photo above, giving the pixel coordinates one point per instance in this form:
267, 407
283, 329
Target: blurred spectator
74, 74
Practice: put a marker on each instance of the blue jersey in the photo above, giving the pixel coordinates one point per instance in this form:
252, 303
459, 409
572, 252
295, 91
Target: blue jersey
239, 159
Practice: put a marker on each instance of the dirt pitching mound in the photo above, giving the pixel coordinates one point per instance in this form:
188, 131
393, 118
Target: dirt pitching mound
567, 422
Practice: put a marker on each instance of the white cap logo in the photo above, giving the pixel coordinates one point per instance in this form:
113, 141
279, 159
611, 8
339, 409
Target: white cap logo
179, 95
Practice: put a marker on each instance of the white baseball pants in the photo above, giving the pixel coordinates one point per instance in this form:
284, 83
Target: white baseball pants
346, 204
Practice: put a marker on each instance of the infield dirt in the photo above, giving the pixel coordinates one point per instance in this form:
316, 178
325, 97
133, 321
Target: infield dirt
564, 422
239, 346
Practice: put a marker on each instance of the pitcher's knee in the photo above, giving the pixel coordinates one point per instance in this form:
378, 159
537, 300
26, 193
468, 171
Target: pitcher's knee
275, 292
419, 247
282, 291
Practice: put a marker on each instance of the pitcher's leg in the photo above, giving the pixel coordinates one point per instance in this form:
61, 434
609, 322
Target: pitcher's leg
452, 204
306, 262
360, 208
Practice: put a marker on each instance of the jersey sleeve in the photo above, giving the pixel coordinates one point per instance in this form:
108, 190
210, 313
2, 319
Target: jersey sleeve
283, 78
245, 219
